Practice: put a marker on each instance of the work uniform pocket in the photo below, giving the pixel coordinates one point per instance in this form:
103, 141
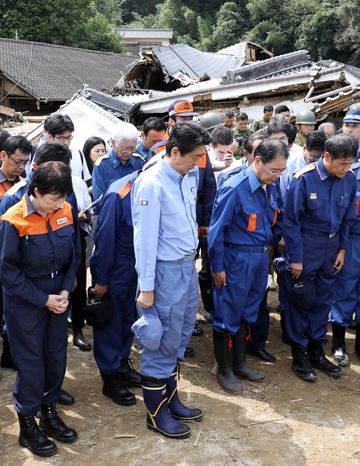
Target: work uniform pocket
252, 217
163, 311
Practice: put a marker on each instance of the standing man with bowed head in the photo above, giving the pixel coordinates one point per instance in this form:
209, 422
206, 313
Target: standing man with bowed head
165, 241
241, 230
319, 212
119, 162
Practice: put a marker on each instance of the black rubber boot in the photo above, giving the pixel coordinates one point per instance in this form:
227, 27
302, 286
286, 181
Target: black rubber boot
115, 389
6, 360
240, 366
176, 408
128, 375
54, 426
33, 438
158, 416
357, 340
301, 364
224, 358
338, 345
319, 361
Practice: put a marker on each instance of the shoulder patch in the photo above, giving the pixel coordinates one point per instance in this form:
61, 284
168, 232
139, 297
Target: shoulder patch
100, 159
236, 179
14, 189
124, 190
306, 169
138, 156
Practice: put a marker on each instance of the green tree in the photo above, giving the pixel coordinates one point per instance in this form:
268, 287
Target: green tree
64, 23
230, 25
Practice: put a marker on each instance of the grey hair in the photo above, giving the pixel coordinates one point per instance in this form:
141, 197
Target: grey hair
125, 132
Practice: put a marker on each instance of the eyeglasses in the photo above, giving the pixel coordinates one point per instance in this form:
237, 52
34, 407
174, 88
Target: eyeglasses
19, 163
127, 148
275, 172
64, 138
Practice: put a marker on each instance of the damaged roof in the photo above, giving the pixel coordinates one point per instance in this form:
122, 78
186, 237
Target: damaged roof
281, 65
186, 63
54, 72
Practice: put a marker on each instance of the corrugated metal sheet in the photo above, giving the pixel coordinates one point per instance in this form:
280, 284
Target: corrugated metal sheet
183, 59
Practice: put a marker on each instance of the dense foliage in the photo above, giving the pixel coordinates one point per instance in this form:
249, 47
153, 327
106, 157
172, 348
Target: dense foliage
327, 28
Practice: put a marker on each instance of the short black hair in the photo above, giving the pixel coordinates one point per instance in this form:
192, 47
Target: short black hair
222, 135
316, 141
52, 152
241, 116
342, 146
229, 114
12, 143
268, 108
281, 109
292, 133
279, 125
3, 136
249, 141
187, 136
270, 149
58, 124
52, 178
155, 123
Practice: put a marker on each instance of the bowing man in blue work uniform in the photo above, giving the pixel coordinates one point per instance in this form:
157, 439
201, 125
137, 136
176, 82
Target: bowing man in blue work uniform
119, 162
319, 212
39, 251
241, 230
113, 269
346, 301
165, 240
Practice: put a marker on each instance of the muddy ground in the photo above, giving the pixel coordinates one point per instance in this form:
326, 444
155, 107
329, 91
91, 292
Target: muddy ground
282, 421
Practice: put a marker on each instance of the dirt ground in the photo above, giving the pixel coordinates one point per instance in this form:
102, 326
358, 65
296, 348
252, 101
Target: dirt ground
282, 421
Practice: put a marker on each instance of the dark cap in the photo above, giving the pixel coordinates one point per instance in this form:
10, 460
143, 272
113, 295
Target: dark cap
303, 293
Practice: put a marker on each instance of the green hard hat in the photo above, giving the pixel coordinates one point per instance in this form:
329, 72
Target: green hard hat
306, 117
211, 120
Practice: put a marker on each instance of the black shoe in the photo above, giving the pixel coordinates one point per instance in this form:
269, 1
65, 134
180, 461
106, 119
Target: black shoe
324, 365
33, 438
65, 398
53, 425
189, 352
198, 331
317, 359
115, 389
128, 375
264, 355
302, 368
81, 342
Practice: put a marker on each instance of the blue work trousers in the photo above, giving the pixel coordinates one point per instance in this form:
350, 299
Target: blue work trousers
239, 300
347, 286
112, 343
259, 331
176, 302
319, 258
38, 341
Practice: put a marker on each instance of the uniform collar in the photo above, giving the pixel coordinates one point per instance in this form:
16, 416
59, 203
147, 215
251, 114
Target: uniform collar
4, 178
27, 205
323, 173
253, 180
115, 161
170, 171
